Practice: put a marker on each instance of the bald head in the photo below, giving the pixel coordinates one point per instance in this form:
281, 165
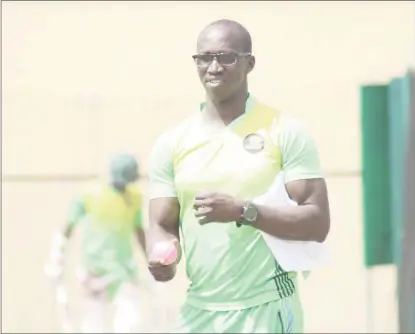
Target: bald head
234, 31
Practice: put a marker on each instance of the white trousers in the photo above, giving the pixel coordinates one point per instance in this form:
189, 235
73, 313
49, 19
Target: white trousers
122, 315
125, 313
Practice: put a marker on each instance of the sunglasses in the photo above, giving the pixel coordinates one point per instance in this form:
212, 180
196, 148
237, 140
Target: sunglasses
224, 59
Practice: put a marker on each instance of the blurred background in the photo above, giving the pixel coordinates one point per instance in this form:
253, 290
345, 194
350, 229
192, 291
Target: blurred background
83, 79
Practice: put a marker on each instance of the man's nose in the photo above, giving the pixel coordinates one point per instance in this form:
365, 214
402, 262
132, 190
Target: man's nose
215, 67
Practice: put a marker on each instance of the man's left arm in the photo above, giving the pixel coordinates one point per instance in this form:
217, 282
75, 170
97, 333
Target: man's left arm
310, 220
139, 226
139, 231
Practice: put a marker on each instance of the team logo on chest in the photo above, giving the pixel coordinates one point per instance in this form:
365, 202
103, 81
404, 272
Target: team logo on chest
253, 143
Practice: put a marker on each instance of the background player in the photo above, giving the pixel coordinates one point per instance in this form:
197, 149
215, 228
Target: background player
110, 213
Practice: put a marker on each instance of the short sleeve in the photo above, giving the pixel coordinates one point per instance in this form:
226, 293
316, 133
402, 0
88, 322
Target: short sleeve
161, 170
300, 159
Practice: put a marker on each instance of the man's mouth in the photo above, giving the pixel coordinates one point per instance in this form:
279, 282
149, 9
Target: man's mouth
214, 82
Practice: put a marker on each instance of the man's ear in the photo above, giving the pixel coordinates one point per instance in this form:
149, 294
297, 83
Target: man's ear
251, 64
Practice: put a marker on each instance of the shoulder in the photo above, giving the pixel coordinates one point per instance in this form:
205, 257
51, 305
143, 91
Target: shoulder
288, 133
277, 122
291, 130
281, 125
288, 124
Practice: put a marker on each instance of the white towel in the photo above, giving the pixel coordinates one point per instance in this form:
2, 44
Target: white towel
301, 256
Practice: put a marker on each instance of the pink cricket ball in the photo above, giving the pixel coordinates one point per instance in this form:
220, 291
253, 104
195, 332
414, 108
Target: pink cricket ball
165, 252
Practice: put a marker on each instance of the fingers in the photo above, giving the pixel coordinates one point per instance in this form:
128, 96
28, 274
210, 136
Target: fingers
162, 273
200, 203
202, 211
156, 263
160, 266
202, 214
163, 277
204, 194
204, 220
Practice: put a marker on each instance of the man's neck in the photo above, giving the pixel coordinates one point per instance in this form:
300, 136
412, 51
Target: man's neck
117, 188
226, 111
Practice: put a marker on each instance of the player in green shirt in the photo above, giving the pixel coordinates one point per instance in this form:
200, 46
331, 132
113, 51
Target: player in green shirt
110, 213
204, 174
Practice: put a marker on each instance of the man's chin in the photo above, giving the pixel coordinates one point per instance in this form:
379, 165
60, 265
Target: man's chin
217, 93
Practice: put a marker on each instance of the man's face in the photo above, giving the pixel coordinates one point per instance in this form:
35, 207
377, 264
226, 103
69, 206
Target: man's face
222, 63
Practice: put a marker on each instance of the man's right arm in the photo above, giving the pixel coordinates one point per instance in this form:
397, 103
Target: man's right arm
77, 211
164, 210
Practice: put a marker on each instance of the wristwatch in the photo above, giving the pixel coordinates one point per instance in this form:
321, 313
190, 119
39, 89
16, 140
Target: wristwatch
249, 215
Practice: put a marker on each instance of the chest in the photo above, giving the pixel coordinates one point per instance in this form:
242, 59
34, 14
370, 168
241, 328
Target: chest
111, 206
240, 165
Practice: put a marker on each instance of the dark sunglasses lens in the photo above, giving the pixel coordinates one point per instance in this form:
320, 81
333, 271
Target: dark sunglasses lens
204, 60
227, 58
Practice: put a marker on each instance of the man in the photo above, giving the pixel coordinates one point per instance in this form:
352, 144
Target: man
110, 214
204, 175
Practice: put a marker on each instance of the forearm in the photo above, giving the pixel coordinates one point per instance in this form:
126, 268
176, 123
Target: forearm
164, 223
141, 238
56, 261
68, 230
300, 223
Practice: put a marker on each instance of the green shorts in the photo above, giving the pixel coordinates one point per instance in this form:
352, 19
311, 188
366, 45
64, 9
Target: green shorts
279, 316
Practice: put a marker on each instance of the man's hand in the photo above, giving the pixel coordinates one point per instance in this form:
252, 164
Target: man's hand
212, 206
94, 285
161, 271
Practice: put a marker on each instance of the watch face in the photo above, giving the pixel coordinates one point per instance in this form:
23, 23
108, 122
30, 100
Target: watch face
250, 213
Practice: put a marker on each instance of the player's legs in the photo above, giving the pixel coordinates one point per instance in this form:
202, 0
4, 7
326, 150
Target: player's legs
96, 306
128, 313
281, 316
95, 314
